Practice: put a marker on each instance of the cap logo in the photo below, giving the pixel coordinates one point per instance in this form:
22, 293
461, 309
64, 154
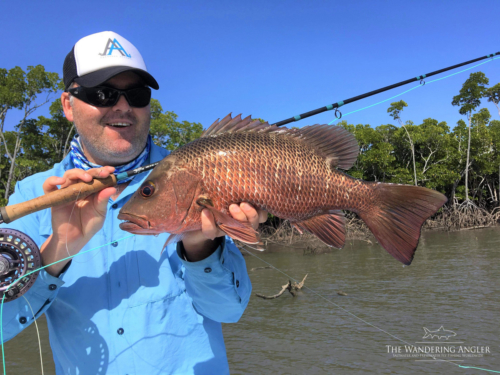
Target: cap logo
114, 45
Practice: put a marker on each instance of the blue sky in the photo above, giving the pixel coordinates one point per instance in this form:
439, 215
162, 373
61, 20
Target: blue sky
271, 59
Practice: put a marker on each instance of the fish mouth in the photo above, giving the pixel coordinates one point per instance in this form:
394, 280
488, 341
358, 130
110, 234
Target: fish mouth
136, 224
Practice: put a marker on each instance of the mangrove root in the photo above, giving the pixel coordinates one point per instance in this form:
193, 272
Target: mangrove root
293, 288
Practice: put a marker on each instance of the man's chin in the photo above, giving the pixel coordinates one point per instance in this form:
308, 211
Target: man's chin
119, 149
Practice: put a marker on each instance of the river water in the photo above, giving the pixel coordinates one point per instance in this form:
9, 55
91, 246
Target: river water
454, 282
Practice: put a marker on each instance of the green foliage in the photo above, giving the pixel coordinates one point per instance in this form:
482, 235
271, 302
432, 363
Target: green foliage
471, 93
22, 91
396, 108
169, 133
440, 154
493, 94
385, 151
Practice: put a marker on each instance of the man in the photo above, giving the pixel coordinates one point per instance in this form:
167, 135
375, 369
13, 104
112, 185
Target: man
123, 308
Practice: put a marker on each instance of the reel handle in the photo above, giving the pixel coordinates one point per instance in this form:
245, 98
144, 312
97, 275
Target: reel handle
56, 198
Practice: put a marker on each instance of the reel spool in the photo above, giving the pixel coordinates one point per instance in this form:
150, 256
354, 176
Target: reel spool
19, 255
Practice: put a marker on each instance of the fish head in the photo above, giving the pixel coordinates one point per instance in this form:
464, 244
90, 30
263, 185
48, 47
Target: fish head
162, 202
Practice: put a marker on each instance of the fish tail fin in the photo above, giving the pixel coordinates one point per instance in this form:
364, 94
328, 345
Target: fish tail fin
427, 333
397, 215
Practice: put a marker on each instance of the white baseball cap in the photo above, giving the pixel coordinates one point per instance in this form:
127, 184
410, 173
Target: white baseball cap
99, 57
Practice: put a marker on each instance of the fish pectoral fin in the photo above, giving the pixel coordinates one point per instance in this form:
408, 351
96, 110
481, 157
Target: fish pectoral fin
329, 228
238, 230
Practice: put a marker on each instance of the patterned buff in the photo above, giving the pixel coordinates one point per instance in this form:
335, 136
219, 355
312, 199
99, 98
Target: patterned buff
80, 161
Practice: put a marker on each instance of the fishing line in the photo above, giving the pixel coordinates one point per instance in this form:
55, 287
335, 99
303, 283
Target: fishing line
340, 103
357, 317
37, 332
295, 118
413, 88
69, 219
41, 268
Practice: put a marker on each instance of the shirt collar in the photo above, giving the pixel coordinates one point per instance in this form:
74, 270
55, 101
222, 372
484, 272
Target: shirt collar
157, 153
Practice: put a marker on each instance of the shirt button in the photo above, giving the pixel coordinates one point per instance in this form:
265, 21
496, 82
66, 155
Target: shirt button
114, 206
114, 244
208, 270
120, 331
237, 283
52, 286
22, 320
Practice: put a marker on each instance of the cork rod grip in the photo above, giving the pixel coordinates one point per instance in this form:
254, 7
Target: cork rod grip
56, 198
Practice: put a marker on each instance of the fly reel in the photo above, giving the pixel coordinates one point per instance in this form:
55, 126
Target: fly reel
19, 255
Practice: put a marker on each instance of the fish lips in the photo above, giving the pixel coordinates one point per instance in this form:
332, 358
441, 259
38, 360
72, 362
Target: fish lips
136, 224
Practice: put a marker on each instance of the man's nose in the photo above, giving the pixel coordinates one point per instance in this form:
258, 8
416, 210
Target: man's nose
122, 105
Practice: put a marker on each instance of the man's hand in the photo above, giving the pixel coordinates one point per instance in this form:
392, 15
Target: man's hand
200, 244
74, 224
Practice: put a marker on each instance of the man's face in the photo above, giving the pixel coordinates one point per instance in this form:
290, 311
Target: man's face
104, 143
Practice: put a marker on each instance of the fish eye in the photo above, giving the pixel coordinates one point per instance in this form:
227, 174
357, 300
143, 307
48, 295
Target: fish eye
147, 189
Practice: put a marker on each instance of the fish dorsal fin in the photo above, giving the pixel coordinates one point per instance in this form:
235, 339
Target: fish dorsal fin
238, 125
329, 228
335, 143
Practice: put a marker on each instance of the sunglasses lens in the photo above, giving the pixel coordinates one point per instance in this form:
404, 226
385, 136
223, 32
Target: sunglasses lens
139, 97
102, 96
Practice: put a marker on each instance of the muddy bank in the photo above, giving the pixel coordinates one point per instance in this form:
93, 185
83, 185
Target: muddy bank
279, 236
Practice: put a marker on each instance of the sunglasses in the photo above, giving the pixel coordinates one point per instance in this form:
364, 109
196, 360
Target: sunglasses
102, 96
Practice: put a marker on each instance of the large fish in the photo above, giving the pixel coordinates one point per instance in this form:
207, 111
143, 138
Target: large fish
291, 173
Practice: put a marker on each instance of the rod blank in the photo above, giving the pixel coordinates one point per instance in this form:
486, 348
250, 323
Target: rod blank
374, 92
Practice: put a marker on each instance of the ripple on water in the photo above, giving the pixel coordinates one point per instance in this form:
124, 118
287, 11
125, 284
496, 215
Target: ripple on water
453, 281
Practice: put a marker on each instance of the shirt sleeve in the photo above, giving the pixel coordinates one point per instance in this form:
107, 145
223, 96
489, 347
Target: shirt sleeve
21, 312
219, 284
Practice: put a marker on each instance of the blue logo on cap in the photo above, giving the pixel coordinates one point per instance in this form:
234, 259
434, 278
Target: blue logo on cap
114, 45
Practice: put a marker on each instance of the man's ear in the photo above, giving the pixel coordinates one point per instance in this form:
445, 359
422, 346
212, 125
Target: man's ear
67, 108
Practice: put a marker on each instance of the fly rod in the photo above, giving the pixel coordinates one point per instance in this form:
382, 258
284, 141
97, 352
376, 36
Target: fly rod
84, 189
329, 107
69, 194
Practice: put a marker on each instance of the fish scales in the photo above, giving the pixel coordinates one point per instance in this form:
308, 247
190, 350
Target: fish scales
291, 173
286, 177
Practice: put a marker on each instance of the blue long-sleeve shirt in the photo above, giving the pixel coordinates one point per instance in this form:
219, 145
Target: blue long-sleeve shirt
126, 308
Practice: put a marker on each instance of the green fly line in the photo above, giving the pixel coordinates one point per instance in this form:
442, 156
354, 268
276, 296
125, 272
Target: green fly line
41, 268
413, 88
319, 295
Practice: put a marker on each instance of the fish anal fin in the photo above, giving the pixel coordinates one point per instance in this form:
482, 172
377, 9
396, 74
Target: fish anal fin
329, 228
238, 230
297, 227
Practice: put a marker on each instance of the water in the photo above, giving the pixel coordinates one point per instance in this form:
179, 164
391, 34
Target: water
453, 282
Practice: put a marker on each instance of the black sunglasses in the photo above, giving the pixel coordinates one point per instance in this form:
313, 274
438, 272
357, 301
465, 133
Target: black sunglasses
102, 96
